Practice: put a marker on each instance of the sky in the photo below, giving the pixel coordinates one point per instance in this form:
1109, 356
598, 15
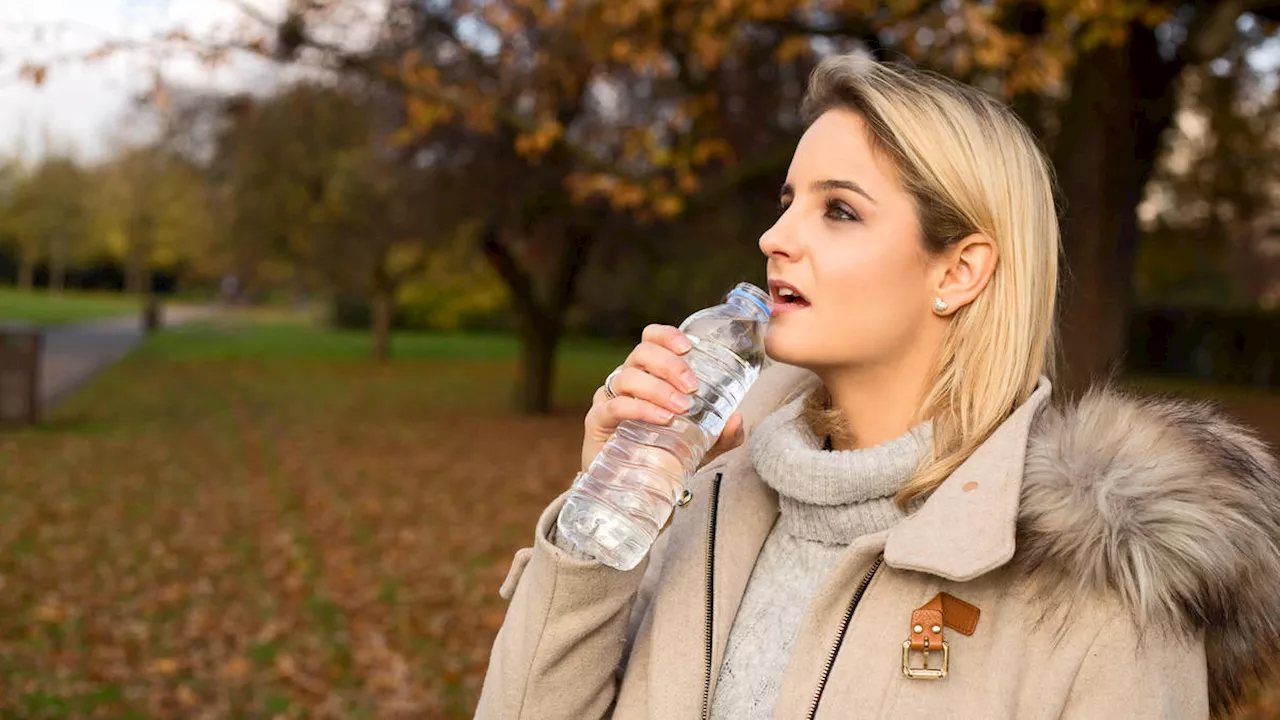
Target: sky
82, 106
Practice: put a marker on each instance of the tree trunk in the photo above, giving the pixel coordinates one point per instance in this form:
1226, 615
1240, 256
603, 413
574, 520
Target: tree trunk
1122, 100
26, 270
136, 273
138, 255
150, 310
1091, 161
539, 341
540, 321
382, 307
57, 266
152, 313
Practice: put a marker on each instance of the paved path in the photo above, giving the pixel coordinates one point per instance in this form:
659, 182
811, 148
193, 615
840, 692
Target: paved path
75, 353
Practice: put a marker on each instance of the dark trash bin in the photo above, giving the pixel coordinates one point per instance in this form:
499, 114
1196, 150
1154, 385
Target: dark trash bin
20, 348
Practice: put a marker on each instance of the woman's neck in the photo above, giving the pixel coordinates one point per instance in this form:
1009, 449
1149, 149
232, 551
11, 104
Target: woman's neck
876, 405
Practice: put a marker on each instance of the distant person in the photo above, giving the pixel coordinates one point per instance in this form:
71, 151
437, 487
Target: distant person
230, 289
908, 499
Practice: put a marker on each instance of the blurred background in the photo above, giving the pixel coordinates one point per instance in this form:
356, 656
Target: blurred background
302, 301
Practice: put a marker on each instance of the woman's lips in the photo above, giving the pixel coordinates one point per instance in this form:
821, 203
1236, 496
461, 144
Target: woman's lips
777, 308
785, 297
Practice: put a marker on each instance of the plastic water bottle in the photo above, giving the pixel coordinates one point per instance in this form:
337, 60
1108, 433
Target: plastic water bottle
617, 507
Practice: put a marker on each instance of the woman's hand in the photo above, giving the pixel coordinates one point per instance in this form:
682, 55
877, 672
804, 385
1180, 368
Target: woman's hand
652, 385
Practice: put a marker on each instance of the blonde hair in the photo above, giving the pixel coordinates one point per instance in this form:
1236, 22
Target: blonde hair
972, 167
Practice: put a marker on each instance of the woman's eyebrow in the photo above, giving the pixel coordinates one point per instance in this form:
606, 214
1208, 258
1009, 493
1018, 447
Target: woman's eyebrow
821, 185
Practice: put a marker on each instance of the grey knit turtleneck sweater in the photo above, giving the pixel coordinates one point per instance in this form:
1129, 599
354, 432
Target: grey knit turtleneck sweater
827, 499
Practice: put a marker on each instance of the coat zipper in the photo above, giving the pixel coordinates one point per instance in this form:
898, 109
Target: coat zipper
844, 627
710, 596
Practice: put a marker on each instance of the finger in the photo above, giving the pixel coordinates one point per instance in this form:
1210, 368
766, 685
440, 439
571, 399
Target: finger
667, 336
663, 363
600, 397
623, 408
732, 435
637, 383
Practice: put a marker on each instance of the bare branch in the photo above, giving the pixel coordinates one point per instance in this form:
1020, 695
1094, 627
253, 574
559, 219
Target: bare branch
254, 13
505, 264
1213, 29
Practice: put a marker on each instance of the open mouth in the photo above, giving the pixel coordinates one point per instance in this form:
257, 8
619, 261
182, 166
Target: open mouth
786, 295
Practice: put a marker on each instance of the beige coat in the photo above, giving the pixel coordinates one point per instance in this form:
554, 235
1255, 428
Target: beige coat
1105, 545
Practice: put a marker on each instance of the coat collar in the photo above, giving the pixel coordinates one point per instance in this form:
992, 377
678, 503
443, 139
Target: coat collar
966, 528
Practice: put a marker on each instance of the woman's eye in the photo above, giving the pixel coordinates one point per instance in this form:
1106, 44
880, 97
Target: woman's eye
782, 206
837, 210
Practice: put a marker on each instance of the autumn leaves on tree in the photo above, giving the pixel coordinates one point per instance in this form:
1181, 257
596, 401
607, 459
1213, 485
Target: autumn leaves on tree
642, 107
553, 128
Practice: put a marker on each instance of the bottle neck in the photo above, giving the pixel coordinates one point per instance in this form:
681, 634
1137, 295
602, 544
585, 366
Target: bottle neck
751, 299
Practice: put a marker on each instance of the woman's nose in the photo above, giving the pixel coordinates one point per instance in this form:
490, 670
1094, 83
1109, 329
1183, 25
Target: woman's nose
780, 240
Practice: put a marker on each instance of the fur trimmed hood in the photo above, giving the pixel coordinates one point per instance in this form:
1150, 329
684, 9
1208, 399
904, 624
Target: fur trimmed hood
1172, 508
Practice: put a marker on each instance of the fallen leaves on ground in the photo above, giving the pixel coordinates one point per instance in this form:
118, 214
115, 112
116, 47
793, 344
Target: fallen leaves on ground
232, 540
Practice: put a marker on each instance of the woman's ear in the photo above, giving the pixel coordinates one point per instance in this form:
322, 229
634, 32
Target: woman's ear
964, 270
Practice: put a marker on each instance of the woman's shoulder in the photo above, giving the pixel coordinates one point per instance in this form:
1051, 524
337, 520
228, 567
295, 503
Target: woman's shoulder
1166, 508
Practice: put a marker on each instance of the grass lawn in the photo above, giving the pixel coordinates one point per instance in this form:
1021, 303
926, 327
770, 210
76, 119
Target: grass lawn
41, 308
255, 522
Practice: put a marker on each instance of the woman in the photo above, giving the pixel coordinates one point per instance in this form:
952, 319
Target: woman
911, 529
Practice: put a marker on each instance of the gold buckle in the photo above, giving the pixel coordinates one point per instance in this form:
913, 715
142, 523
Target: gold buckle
924, 672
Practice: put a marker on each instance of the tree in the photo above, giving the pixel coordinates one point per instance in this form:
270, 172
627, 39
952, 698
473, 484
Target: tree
525, 100
369, 235
49, 218
10, 177
310, 176
152, 210
627, 102
271, 168
1122, 100
1210, 205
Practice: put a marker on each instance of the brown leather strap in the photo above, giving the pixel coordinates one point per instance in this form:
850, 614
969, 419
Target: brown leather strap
943, 610
960, 615
926, 628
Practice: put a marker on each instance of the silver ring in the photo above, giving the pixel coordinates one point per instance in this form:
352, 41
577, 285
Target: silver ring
608, 384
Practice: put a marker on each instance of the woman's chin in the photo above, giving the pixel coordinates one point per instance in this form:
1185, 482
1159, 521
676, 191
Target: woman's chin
783, 349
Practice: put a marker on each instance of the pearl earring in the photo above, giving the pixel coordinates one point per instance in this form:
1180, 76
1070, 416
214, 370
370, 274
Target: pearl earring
939, 305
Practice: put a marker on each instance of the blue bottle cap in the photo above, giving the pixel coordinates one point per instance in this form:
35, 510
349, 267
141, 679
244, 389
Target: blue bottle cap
754, 294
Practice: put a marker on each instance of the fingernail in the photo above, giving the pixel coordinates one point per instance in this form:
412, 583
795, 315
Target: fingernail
665, 415
683, 345
681, 401
690, 381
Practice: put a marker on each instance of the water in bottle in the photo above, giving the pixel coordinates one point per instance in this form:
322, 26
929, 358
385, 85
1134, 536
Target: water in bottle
617, 507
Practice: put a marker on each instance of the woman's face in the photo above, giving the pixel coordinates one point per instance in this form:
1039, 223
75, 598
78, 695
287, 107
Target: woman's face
849, 242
